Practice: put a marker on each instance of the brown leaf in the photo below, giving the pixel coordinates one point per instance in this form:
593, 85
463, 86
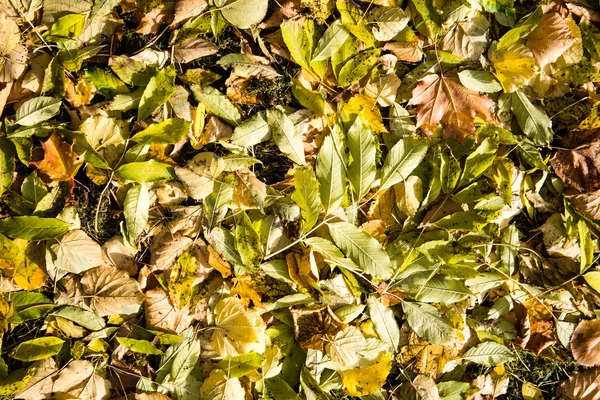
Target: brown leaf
405, 51
585, 343
162, 315
60, 162
193, 49
151, 21
587, 204
550, 39
314, 327
534, 334
579, 167
584, 385
300, 271
185, 9
442, 99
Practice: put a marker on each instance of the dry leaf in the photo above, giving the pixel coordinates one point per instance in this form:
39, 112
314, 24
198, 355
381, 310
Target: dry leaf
585, 343
315, 327
580, 167
60, 162
443, 99
550, 39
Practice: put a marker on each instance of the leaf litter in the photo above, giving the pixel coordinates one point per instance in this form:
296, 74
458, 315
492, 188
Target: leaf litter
308, 199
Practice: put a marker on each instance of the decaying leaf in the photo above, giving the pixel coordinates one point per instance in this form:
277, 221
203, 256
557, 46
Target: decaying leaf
314, 326
443, 99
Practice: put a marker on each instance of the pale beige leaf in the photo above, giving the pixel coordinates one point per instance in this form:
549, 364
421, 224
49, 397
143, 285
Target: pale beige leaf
40, 385
79, 380
111, 291
583, 385
550, 39
162, 315
76, 252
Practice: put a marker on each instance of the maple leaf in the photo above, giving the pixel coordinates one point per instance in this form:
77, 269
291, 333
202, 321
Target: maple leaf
443, 99
60, 162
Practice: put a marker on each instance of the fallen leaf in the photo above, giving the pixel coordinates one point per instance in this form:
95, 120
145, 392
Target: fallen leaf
60, 162
579, 167
584, 343
443, 99
314, 327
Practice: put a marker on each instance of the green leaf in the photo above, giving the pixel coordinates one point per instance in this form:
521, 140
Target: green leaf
532, 119
311, 386
364, 250
169, 131
593, 279
28, 306
479, 80
489, 354
472, 220
298, 36
135, 209
429, 288
428, 323
217, 104
185, 360
356, 68
139, 346
247, 67
402, 159
430, 16
354, 21
285, 136
331, 172
243, 13
310, 99
509, 252
36, 110
586, 245
332, 40
37, 349
479, 161
67, 27
385, 323
7, 164
362, 167
146, 171
81, 317
105, 82
252, 131
331, 253
530, 154
278, 389
306, 196
239, 366
32, 228
157, 92
247, 243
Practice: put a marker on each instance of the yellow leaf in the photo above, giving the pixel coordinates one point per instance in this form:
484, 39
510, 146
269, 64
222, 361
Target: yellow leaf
513, 65
367, 380
238, 329
365, 107
244, 287
27, 270
531, 392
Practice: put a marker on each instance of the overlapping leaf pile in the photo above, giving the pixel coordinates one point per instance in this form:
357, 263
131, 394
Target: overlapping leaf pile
307, 199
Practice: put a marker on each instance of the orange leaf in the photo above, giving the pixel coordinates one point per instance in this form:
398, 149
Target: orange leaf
442, 99
60, 162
